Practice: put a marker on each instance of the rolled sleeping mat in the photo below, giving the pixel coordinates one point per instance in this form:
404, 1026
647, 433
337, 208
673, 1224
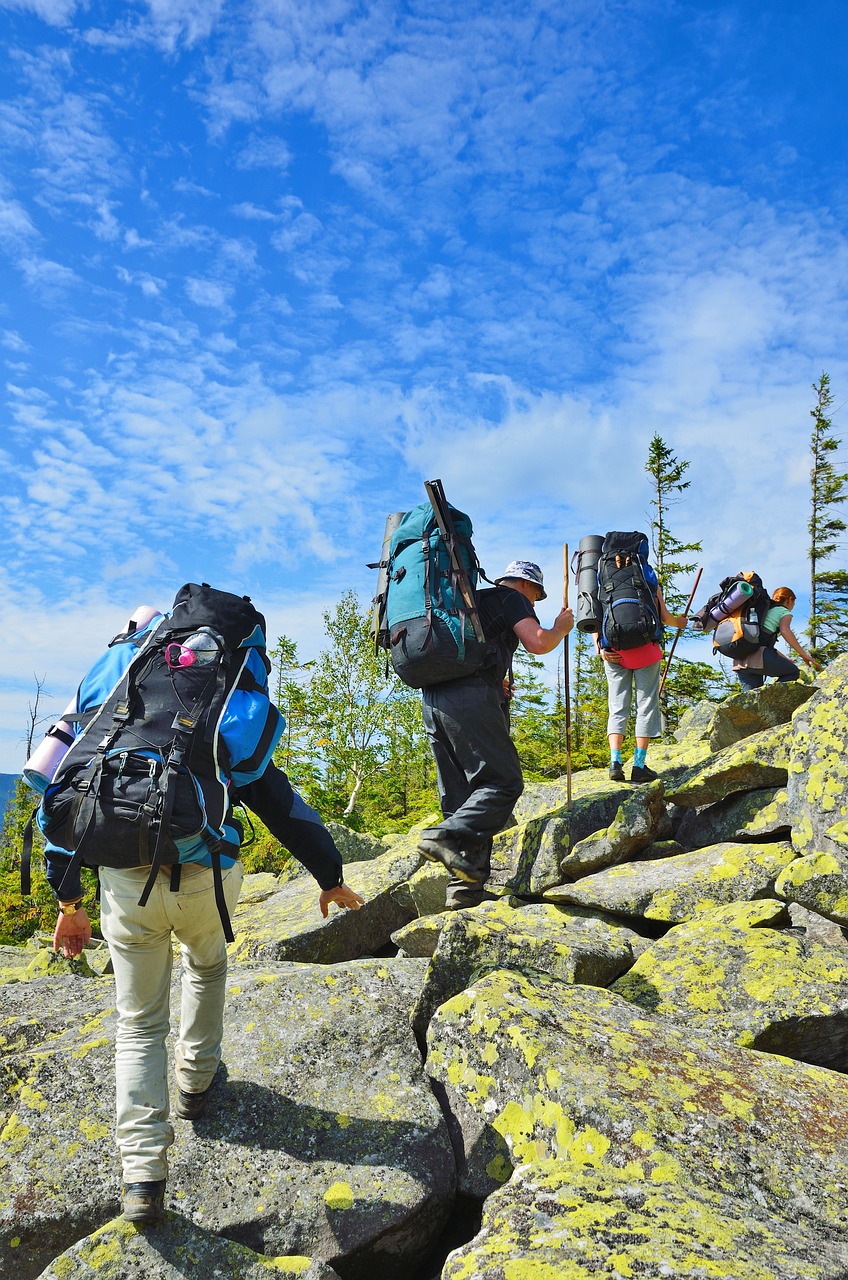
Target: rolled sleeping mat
735, 599
584, 564
40, 769
140, 617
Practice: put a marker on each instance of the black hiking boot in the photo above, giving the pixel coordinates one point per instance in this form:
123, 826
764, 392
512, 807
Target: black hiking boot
439, 848
190, 1106
616, 772
143, 1201
641, 773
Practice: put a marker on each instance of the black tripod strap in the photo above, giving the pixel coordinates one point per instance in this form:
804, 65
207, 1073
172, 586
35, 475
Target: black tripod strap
26, 855
220, 900
167, 784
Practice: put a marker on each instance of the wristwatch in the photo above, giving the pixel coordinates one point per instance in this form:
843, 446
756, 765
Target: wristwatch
70, 908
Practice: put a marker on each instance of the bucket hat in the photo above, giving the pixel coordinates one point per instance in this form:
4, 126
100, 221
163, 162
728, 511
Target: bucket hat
527, 570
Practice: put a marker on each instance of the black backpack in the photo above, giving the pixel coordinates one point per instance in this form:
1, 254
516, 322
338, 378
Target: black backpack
737, 621
628, 602
169, 719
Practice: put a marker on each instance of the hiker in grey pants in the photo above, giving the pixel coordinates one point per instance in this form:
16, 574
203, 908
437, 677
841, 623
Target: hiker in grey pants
467, 723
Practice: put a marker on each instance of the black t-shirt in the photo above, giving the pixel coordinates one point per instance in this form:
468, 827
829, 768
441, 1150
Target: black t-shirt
500, 608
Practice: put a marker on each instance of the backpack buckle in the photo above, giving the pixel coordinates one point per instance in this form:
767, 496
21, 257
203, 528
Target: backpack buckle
184, 723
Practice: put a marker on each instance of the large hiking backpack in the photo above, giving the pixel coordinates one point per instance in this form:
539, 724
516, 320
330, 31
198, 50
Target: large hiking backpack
427, 630
167, 718
627, 588
736, 615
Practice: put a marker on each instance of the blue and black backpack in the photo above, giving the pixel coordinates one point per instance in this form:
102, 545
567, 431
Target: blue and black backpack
627, 593
166, 720
422, 617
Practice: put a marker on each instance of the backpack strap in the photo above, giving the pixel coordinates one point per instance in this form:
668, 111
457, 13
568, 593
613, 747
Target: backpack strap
161, 800
26, 855
428, 599
220, 900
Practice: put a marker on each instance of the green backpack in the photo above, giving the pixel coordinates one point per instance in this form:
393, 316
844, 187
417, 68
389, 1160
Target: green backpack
425, 623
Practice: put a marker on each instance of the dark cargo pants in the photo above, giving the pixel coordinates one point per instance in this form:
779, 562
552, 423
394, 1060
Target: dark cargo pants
477, 768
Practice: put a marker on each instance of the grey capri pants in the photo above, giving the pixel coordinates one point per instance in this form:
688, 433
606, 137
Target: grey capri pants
620, 685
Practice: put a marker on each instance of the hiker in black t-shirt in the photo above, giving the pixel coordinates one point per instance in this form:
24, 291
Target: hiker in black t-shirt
467, 722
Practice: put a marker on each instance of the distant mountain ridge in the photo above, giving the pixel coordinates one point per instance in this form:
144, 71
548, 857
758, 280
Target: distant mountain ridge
7, 785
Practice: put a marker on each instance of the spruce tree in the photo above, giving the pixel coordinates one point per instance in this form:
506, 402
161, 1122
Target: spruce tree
667, 474
828, 626
688, 682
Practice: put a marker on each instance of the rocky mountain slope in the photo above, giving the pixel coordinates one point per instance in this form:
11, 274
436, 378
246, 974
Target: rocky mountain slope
632, 1063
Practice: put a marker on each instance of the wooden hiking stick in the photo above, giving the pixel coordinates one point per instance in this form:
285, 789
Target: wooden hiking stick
444, 520
566, 679
677, 633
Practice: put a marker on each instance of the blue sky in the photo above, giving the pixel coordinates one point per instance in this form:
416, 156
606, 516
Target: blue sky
268, 266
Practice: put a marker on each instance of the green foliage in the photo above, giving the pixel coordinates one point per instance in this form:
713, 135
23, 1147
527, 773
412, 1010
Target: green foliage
828, 625
354, 744
589, 746
537, 720
21, 917
667, 473
688, 681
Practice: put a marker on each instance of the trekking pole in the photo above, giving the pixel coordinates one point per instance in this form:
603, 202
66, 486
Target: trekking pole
566, 679
677, 633
444, 520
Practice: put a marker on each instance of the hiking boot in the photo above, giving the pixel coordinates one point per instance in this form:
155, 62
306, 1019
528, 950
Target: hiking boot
143, 1201
438, 848
461, 896
616, 772
641, 773
190, 1106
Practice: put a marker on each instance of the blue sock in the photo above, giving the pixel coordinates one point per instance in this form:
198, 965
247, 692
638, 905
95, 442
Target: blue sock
639, 757
615, 755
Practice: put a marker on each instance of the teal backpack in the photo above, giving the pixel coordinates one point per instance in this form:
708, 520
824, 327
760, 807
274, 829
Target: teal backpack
424, 622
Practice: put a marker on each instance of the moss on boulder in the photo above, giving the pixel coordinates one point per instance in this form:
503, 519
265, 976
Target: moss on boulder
535, 1069
419, 937
819, 882
276, 921
756, 986
756, 762
534, 939
561, 1221
639, 821
425, 892
678, 888
748, 815
818, 785
526, 858
720, 724
320, 1138
175, 1249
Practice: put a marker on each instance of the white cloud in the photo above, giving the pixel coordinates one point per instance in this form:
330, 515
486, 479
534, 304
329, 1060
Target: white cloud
13, 341
209, 293
55, 12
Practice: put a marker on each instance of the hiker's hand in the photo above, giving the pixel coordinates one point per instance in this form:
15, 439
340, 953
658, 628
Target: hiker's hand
508, 690
610, 655
681, 621
343, 896
72, 933
814, 663
564, 620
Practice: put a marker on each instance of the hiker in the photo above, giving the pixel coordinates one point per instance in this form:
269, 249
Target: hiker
635, 629
467, 723
766, 661
141, 908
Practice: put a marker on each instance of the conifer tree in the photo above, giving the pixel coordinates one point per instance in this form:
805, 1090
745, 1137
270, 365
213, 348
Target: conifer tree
688, 681
828, 626
667, 474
